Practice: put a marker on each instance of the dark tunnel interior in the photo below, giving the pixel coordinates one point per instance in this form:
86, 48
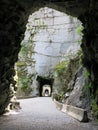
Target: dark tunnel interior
43, 81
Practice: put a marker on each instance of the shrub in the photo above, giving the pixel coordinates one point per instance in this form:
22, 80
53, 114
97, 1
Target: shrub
60, 67
24, 83
95, 109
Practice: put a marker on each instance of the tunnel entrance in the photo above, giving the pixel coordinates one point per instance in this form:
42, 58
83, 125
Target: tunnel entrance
15, 20
45, 86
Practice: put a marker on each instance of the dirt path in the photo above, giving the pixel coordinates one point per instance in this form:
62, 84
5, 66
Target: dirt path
41, 114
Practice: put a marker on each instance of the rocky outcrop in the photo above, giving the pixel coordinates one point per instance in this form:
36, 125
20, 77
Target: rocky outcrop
72, 84
65, 74
80, 95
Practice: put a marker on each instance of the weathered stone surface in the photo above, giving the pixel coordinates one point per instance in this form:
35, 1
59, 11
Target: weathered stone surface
80, 95
53, 37
72, 85
64, 82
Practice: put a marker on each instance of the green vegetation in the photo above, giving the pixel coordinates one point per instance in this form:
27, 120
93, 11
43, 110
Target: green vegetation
95, 109
92, 96
24, 83
60, 67
79, 32
21, 63
87, 84
86, 74
24, 50
94, 99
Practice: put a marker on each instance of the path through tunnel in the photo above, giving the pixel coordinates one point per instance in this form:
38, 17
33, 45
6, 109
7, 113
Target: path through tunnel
43, 81
13, 18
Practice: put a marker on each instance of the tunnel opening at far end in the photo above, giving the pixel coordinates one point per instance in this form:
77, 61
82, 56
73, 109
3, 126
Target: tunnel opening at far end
45, 86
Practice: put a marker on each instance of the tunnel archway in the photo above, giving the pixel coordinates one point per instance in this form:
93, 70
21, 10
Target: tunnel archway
43, 81
13, 19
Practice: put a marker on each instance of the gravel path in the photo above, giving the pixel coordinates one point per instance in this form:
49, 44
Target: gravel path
41, 114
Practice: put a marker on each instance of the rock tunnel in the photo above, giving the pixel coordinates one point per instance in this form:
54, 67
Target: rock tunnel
13, 18
42, 82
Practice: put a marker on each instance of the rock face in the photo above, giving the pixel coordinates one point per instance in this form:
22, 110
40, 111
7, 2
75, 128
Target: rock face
53, 35
72, 84
13, 17
65, 75
50, 36
80, 95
